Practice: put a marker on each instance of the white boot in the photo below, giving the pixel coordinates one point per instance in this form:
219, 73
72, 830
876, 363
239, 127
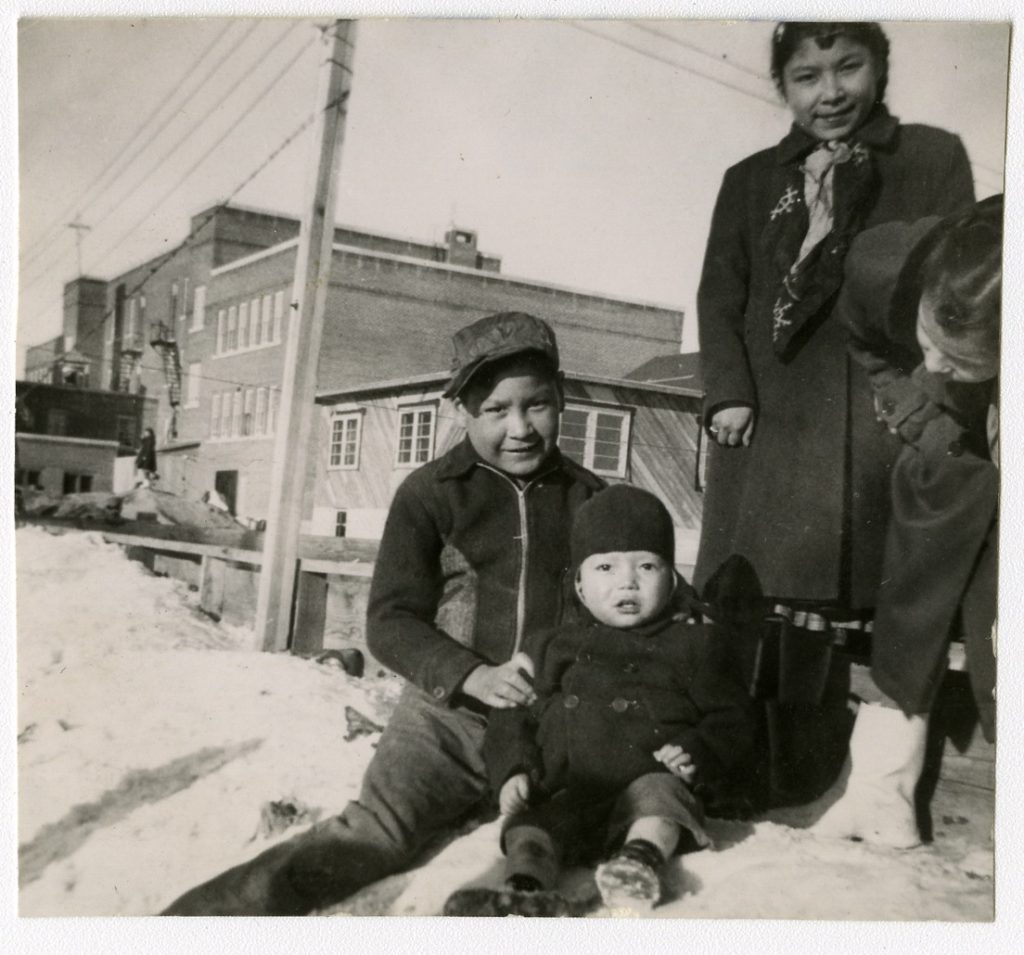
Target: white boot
886, 756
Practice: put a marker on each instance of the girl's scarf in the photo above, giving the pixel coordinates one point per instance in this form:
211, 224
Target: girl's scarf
827, 192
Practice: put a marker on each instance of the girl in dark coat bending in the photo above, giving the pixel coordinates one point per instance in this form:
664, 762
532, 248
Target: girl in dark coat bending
797, 486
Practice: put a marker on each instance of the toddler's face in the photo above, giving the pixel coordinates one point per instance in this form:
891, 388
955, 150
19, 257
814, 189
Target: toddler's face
832, 90
514, 425
940, 362
625, 589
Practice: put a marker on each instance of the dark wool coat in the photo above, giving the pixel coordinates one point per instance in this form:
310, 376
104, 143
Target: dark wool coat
608, 698
806, 503
145, 460
940, 554
468, 563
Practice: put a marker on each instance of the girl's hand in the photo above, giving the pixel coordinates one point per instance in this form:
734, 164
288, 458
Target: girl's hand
514, 794
677, 761
503, 686
732, 427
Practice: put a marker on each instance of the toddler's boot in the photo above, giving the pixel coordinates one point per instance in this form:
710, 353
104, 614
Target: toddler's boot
531, 863
629, 879
886, 758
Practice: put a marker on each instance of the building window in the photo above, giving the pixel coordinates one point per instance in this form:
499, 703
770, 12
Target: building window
232, 342
143, 329
345, 433
127, 433
77, 483
56, 421
415, 435
222, 321
195, 370
132, 330
236, 413
278, 315
199, 308
247, 412
174, 301
225, 414
598, 438
261, 410
184, 301
268, 317
275, 397
243, 325
341, 524
215, 415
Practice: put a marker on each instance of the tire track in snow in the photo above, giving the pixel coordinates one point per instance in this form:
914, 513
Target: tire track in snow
57, 840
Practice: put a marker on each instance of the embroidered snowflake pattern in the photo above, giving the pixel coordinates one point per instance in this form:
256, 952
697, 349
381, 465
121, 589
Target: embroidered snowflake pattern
859, 154
779, 320
786, 202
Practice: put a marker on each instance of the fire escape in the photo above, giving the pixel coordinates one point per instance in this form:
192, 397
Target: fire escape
166, 346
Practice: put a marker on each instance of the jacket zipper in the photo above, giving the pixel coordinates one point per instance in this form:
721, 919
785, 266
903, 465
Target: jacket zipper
524, 539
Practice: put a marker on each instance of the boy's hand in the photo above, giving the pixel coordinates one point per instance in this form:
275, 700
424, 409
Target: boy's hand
677, 761
732, 427
503, 686
514, 794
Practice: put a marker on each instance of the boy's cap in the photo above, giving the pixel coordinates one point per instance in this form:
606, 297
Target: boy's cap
494, 337
622, 518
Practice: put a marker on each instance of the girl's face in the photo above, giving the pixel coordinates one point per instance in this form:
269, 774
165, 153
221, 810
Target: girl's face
830, 91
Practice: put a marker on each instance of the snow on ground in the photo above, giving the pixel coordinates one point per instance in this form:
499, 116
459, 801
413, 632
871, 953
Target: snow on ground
151, 739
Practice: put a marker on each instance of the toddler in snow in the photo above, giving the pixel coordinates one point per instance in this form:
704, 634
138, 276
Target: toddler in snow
637, 715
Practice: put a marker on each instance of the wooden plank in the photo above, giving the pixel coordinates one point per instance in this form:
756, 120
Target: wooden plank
336, 568
310, 613
211, 586
168, 546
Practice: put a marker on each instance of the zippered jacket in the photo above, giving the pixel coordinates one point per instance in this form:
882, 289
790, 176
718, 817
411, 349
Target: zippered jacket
468, 563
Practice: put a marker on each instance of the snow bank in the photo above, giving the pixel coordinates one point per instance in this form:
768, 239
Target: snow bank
151, 739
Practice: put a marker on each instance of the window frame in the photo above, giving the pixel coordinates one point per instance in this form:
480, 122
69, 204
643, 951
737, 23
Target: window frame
341, 523
344, 418
198, 322
592, 409
419, 407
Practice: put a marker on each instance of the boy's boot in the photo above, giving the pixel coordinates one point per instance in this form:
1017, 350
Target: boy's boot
531, 864
629, 879
886, 758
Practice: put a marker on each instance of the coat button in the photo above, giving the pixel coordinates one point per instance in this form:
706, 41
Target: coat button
439, 692
571, 701
888, 406
620, 705
631, 667
955, 449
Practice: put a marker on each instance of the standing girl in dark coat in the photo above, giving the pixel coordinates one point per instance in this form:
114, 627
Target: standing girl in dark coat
797, 488
145, 460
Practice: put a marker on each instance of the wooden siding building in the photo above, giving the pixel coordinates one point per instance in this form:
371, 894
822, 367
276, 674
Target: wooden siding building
372, 436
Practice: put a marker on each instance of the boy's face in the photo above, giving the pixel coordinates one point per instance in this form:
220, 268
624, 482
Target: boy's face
939, 362
625, 589
512, 420
830, 90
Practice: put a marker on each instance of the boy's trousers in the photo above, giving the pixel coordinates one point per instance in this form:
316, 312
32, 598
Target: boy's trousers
427, 775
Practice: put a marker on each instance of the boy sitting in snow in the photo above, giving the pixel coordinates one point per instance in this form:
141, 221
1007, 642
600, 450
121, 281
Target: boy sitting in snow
474, 554
636, 715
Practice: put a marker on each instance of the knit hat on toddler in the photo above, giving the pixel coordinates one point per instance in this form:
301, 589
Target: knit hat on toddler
622, 518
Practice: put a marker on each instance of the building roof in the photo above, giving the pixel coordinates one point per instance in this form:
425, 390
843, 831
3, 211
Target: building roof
438, 378
679, 371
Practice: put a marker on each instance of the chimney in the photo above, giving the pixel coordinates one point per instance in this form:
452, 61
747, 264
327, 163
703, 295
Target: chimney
461, 247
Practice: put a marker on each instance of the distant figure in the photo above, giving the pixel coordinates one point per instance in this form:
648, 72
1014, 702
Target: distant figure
145, 460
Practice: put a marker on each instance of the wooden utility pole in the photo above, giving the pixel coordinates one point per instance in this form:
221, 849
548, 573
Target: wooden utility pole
298, 388
79, 228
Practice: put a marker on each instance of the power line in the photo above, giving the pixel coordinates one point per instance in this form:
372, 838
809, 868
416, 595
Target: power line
163, 261
723, 59
121, 157
189, 133
576, 25
713, 79
227, 132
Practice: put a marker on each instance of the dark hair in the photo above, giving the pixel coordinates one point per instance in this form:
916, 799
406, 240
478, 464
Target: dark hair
962, 277
482, 383
787, 37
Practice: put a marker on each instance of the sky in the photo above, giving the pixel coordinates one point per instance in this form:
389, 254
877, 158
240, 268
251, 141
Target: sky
584, 153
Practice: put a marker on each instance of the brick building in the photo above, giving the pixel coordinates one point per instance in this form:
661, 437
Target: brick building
203, 330
68, 438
